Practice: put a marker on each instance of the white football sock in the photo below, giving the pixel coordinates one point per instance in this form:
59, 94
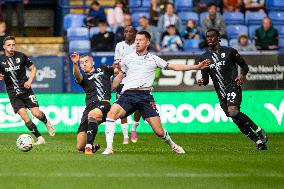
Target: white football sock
134, 125
109, 132
258, 129
167, 138
124, 128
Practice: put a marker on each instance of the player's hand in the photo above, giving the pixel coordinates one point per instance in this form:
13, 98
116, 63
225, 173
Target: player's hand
1, 76
240, 79
117, 64
200, 81
203, 64
28, 84
74, 57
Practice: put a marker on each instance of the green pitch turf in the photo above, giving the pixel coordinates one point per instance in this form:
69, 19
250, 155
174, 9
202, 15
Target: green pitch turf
212, 161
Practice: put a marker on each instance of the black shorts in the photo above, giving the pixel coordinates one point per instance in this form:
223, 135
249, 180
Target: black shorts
140, 100
118, 91
233, 98
103, 106
25, 100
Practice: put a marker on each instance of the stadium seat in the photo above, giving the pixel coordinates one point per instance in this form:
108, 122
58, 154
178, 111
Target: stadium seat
95, 30
139, 6
280, 29
187, 15
234, 42
254, 18
134, 3
234, 18
80, 46
191, 45
277, 18
202, 17
224, 42
252, 30
135, 17
281, 44
73, 20
234, 31
77, 34
274, 5
183, 5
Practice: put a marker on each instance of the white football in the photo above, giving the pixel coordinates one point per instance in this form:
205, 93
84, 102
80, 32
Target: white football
25, 142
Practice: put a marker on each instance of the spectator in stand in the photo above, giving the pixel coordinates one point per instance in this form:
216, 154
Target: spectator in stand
214, 20
191, 30
19, 6
95, 15
169, 18
119, 33
243, 44
104, 40
156, 9
201, 5
266, 37
3, 35
171, 41
155, 35
254, 5
115, 15
232, 5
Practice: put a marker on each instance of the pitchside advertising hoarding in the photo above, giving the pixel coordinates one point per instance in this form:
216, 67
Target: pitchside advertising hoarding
188, 112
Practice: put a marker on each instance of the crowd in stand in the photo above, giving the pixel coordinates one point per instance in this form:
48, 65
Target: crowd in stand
169, 31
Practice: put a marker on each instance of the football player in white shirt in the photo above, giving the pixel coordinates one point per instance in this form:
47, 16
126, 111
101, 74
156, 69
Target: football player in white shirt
123, 49
139, 72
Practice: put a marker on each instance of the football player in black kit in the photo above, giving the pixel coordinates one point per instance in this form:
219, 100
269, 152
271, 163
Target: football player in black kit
223, 71
13, 66
97, 85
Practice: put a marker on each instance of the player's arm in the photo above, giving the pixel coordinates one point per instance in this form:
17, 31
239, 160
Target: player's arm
238, 59
1, 76
183, 67
76, 71
28, 63
117, 80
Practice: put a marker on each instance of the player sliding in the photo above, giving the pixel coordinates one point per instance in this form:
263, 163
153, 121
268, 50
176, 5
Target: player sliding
224, 74
123, 49
97, 85
139, 72
13, 70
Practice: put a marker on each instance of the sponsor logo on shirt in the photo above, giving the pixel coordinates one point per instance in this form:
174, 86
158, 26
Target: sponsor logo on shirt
13, 68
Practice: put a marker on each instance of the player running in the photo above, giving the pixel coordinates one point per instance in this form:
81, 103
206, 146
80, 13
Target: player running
97, 85
224, 74
139, 72
13, 66
123, 49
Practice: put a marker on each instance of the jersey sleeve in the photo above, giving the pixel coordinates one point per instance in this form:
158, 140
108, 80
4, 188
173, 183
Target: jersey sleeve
109, 70
83, 83
161, 63
124, 67
117, 53
238, 59
27, 62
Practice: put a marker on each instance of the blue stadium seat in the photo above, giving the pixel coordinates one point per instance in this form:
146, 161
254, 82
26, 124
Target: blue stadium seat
77, 34
135, 17
274, 5
224, 42
146, 4
234, 18
95, 30
252, 30
134, 3
191, 45
183, 5
280, 29
80, 46
277, 17
254, 18
73, 20
234, 31
234, 42
187, 15
281, 44
202, 17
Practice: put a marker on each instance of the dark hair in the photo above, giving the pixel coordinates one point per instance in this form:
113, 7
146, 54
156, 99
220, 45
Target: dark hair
85, 55
211, 4
95, 3
146, 34
171, 26
169, 4
214, 30
144, 17
102, 22
242, 36
9, 38
132, 27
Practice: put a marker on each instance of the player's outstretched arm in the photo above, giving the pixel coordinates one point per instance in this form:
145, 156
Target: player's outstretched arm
28, 83
76, 71
117, 80
182, 67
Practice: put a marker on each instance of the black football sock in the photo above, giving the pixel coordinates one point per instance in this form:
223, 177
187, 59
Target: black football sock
247, 121
32, 127
245, 130
43, 118
92, 130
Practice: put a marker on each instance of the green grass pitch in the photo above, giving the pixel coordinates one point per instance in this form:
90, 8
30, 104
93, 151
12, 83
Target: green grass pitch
212, 161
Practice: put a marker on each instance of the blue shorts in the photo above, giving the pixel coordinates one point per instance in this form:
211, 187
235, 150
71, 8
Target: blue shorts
142, 101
